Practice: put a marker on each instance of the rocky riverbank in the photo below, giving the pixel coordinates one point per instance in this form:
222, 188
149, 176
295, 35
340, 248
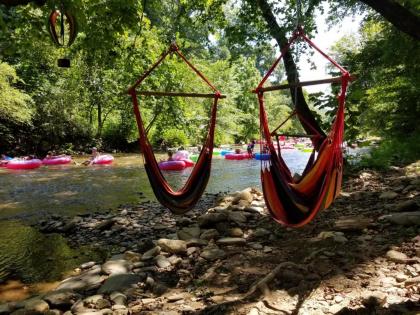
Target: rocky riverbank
361, 256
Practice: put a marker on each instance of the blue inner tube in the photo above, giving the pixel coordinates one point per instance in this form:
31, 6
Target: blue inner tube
224, 152
262, 156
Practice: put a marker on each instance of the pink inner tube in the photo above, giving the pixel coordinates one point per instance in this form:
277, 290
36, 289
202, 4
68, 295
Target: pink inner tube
172, 165
188, 163
103, 159
57, 161
237, 156
24, 164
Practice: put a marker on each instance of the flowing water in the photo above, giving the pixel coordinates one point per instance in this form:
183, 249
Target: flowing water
30, 256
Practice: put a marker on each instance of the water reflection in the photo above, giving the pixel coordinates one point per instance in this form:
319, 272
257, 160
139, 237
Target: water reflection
31, 256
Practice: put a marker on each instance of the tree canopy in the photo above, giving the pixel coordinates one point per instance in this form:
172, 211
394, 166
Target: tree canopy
230, 41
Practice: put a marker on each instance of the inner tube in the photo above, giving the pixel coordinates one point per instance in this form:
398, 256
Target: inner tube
262, 156
103, 159
23, 164
188, 163
224, 152
237, 156
172, 165
57, 161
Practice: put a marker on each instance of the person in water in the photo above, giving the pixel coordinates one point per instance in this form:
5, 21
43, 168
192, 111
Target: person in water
250, 148
94, 155
52, 155
170, 154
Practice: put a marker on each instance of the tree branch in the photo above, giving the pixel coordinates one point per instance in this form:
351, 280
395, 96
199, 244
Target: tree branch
402, 18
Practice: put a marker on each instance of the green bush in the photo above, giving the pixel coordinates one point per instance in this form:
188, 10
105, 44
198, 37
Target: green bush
174, 137
396, 151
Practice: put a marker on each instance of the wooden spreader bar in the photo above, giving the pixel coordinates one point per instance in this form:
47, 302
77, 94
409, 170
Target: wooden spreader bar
174, 94
292, 135
300, 84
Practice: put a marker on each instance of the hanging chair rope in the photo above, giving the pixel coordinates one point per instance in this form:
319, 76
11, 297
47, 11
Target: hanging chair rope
295, 202
183, 200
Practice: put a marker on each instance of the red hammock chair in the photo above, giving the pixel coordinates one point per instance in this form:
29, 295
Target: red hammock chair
183, 200
296, 202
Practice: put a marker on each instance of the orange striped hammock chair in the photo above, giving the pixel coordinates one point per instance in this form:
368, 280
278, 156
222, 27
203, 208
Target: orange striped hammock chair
184, 199
292, 202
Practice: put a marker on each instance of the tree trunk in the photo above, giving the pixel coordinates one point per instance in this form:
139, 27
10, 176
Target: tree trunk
279, 34
99, 132
399, 16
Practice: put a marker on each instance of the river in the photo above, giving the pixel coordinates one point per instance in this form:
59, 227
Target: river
28, 256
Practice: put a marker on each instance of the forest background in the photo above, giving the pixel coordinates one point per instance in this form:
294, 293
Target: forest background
44, 107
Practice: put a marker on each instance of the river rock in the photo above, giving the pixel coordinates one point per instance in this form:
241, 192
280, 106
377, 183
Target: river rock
145, 244
115, 266
62, 298
88, 280
105, 224
87, 265
209, 219
352, 223
209, 234
244, 195
388, 195
397, 256
231, 241
93, 299
175, 260
186, 234
120, 282
403, 218
236, 232
212, 254
162, 261
338, 237
194, 242
102, 303
118, 298
36, 306
238, 217
261, 233
172, 246
407, 205
151, 253
132, 256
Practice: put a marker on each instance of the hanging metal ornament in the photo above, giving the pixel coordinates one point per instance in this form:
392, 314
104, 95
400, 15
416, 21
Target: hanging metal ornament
63, 30
67, 23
